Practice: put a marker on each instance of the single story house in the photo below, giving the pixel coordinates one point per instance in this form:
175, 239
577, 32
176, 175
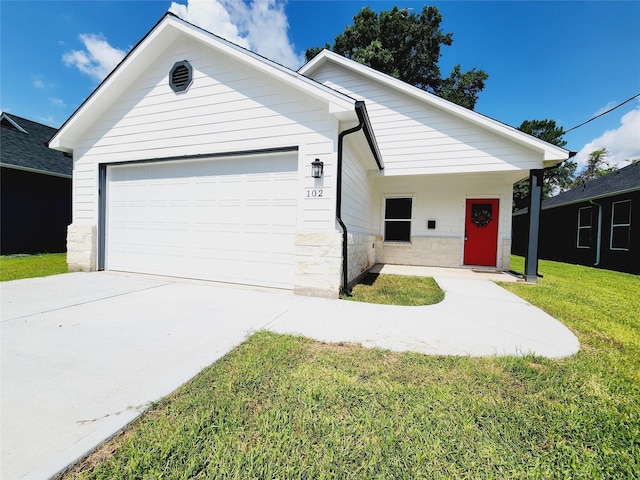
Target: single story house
595, 224
198, 158
35, 188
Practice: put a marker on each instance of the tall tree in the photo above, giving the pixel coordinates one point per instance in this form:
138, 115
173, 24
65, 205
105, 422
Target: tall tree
406, 46
556, 179
597, 166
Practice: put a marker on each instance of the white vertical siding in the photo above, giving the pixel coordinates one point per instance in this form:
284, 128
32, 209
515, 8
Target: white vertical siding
228, 108
416, 138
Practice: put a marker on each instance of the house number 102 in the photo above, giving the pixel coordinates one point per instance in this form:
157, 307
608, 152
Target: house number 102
314, 193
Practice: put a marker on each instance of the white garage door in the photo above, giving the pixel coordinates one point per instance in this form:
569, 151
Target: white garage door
229, 220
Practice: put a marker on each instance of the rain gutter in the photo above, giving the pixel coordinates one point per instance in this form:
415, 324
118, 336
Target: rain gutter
364, 125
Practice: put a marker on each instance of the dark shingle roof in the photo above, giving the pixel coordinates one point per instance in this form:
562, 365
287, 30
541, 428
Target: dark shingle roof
625, 179
29, 150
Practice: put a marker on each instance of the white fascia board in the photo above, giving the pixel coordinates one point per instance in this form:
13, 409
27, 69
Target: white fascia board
148, 50
135, 62
552, 154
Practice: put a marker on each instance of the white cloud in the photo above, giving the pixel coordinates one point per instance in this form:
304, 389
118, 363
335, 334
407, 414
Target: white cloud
40, 82
57, 102
47, 120
604, 109
98, 58
213, 16
260, 26
623, 143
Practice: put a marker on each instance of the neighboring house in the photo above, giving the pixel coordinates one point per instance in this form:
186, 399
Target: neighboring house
195, 157
35, 190
596, 224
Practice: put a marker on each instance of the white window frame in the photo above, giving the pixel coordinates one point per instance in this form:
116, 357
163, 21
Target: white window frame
385, 220
583, 227
620, 225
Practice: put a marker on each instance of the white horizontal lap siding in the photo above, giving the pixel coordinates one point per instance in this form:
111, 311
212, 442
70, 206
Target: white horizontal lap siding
443, 198
356, 194
318, 197
231, 220
85, 188
415, 138
244, 107
228, 108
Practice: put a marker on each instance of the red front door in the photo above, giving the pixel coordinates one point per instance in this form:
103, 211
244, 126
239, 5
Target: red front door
481, 231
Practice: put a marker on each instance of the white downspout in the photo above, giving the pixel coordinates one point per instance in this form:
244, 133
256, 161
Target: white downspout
599, 239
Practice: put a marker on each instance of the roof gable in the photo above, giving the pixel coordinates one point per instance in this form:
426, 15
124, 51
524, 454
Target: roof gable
8, 122
24, 147
552, 154
148, 50
626, 179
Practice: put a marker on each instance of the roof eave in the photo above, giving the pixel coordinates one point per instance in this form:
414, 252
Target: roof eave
551, 154
142, 55
369, 134
34, 170
89, 110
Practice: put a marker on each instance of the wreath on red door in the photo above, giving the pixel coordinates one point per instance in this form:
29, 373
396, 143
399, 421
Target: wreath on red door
481, 216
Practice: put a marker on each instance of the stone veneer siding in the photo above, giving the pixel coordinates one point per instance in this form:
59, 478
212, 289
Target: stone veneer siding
81, 248
506, 254
318, 264
422, 251
361, 253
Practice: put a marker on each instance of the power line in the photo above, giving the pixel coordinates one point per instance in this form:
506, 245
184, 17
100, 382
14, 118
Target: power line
603, 113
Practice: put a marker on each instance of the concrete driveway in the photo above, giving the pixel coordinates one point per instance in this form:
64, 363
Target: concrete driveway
83, 354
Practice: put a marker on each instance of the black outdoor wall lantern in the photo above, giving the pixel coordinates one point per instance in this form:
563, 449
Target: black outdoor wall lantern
316, 168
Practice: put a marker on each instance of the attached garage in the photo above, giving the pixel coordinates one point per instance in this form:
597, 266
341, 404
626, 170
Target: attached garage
228, 219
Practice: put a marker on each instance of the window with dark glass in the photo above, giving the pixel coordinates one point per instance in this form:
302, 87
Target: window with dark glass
584, 227
620, 225
397, 220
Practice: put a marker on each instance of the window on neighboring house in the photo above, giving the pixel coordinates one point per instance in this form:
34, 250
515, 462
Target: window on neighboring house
584, 227
397, 219
620, 225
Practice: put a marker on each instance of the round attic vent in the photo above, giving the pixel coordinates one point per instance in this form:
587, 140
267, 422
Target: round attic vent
180, 76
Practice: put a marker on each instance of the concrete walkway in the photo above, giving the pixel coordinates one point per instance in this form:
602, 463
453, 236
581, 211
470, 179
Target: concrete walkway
83, 354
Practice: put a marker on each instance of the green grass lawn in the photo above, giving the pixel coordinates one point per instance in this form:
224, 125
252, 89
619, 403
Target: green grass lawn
14, 267
397, 290
287, 407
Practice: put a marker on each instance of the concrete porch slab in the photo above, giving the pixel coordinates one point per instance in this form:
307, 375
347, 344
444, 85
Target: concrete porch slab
472, 273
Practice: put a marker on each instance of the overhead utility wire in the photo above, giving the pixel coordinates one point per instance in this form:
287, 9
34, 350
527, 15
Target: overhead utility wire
603, 113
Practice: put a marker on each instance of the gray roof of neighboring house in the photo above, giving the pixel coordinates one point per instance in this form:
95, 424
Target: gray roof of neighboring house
623, 180
23, 145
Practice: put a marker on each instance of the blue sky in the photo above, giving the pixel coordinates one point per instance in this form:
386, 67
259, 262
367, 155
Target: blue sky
565, 61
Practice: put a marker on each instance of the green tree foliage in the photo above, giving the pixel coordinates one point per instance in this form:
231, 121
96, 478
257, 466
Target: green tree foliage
406, 45
597, 166
556, 179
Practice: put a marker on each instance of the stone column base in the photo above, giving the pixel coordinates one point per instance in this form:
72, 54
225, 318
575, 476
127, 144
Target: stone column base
318, 264
81, 248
